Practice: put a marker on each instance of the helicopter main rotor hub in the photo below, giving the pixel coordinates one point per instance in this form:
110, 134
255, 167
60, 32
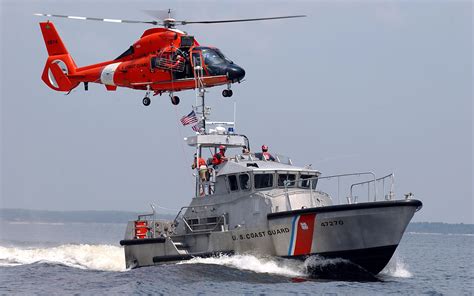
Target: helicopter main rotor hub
169, 23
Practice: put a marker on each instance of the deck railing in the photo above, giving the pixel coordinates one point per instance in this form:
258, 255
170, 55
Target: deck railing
391, 193
222, 219
292, 186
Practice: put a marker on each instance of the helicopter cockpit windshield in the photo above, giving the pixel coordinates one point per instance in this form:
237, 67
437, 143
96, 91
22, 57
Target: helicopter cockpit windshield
216, 63
214, 57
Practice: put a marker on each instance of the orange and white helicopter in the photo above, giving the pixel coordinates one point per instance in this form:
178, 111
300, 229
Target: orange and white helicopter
163, 60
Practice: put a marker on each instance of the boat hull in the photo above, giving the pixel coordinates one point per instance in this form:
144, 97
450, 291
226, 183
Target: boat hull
367, 234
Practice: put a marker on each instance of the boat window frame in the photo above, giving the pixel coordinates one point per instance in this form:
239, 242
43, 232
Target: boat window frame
228, 177
311, 175
249, 182
292, 183
264, 173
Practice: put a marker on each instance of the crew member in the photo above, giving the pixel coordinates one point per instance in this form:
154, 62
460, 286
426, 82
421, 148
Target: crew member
178, 63
219, 157
245, 152
200, 164
266, 154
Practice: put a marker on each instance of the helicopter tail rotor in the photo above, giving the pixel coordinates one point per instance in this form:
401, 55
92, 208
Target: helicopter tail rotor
59, 63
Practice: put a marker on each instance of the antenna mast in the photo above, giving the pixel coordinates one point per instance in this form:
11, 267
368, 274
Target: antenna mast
200, 96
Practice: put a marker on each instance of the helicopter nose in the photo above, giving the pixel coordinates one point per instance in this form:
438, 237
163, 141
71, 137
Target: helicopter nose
235, 73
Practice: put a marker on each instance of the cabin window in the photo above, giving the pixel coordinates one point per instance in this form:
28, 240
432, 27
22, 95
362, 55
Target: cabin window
305, 183
263, 181
289, 178
244, 181
233, 182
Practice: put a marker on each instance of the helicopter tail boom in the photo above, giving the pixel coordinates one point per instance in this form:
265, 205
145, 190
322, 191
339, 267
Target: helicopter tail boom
59, 63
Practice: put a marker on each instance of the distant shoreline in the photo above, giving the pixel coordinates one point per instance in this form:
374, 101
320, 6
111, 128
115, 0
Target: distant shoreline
91, 216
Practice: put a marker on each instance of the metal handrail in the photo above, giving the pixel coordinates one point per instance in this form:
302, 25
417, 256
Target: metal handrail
221, 217
391, 176
187, 207
357, 174
287, 182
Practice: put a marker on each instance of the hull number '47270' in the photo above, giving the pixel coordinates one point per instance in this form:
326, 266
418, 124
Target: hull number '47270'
332, 223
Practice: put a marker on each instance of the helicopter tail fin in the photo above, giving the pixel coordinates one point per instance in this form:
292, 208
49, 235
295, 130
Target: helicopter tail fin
59, 63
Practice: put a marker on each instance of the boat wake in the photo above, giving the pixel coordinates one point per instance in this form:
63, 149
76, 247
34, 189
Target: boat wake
314, 267
94, 257
283, 267
111, 258
336, 269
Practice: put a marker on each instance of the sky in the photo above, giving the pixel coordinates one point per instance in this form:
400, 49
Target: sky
383, 86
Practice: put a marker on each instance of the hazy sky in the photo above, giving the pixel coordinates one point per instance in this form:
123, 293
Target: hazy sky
377, 85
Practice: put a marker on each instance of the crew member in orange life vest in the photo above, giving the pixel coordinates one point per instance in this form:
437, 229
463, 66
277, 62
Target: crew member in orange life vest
266, 154
198, 162
200, 165
219, 157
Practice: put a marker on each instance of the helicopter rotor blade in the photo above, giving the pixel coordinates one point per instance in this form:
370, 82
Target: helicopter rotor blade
239, 20
85, 18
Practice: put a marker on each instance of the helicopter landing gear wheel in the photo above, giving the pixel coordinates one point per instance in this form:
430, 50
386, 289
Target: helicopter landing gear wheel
227, 93
146, 101
174, 100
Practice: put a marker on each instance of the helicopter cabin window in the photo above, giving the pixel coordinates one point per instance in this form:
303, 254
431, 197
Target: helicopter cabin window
232, 179
288, 178
263, 181
305, 183
128, 52
244, 181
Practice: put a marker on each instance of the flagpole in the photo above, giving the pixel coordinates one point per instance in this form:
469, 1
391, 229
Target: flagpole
203, 112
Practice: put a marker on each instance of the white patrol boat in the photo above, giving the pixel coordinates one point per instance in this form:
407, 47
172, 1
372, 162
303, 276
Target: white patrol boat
250, 204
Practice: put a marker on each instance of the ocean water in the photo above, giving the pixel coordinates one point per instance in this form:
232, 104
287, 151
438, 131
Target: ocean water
85, 258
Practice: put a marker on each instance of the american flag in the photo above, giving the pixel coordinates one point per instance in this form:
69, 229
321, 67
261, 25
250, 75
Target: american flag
197, 127
190, 118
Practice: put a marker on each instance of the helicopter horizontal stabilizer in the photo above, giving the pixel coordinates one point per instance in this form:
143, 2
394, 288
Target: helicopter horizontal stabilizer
55, 73
59, 63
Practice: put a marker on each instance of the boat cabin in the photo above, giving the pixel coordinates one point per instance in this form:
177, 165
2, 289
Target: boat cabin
247, 172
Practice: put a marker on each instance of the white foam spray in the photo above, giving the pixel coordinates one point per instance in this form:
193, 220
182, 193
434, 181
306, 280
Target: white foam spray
396, 268
317, 261
111, 258
289, 268
96, 257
